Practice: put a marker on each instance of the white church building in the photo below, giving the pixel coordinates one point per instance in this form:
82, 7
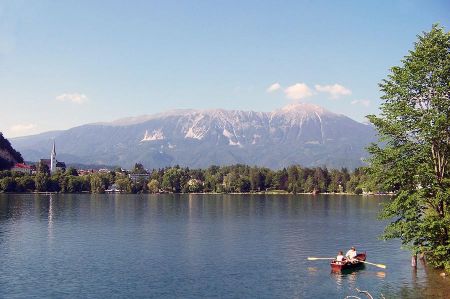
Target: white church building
53, 164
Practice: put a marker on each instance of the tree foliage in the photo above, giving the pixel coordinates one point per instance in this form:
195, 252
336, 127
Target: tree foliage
138, 169
233, 178
412, 157
153, 186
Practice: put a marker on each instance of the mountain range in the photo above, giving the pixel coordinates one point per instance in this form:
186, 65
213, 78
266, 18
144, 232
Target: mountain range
303, 134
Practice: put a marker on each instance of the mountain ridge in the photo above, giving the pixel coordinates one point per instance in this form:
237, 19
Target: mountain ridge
303, 134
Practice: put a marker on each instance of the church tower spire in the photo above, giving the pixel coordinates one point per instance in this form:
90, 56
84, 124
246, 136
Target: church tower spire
53, 159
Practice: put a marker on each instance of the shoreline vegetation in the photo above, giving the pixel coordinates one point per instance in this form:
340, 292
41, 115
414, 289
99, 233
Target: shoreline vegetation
234, 179
276, 192
412, 156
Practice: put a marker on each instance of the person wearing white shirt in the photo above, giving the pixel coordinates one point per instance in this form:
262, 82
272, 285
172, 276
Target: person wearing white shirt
340, 257
351, 254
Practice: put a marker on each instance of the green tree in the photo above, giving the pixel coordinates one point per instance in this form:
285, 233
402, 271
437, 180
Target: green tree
25, 184
153, 186
5, 173
172, 180
54, 184
41, 181
230, 182
140, 186
138, 169
194, 185
280, 179
320, 179
345, 177
97, 185
293, 179
309, 184
42, 168
123, 184
213, 182
255, 178
243, 184
352, 184
75, 184
63, 181
335, 181
8, 184
71, 171
412, 157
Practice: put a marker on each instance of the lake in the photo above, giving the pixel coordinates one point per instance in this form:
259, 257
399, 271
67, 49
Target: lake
191, 246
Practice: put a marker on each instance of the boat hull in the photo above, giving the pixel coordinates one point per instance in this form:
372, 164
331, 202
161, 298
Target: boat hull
341, 266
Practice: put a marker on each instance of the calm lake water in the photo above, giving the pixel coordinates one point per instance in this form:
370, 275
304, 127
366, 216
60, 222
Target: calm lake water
190, 246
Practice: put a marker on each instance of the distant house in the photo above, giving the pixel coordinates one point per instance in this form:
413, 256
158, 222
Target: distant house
60, 166
22, 167
113, 189
139, 177
82, 172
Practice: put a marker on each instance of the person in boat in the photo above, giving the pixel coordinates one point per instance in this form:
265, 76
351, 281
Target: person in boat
340, 259
351, 254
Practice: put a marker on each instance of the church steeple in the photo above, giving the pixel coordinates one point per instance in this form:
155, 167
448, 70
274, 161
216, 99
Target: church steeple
53, 159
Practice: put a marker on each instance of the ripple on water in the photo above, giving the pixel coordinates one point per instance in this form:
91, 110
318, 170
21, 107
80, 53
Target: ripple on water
194, 246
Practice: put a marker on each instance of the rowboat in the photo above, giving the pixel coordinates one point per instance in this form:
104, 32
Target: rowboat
346, 265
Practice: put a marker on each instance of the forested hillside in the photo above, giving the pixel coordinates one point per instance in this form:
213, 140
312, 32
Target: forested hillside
8, 155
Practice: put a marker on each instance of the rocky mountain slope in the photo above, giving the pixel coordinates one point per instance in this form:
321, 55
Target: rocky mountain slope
301, 133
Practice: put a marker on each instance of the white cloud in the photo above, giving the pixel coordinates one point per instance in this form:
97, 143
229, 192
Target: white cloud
76, 98
22, 128
298, 91
335, 91
361, 102
274, 87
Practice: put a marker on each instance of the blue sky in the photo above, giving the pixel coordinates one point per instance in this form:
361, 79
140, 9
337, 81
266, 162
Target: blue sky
67, 63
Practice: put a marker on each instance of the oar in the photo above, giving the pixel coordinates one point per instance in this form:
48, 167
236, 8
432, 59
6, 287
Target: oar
319, 258
377, 265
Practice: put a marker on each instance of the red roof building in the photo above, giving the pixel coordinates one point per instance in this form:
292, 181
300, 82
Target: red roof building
22, 167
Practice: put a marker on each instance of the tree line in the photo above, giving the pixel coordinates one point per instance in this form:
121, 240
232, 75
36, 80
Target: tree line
218, 179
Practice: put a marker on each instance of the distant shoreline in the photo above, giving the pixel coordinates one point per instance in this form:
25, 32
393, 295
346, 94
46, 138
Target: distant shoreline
206, 193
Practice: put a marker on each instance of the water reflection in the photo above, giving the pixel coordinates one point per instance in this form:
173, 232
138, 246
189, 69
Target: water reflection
50, 219
197, 246
347, 276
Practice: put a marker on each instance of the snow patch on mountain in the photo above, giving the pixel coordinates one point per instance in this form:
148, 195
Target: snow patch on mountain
233, 143
196, 132
232, 138
256, 138
227, 133
156, 135
300, 133
321, 126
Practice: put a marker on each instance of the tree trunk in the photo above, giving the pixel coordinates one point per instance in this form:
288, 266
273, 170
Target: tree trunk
414, 260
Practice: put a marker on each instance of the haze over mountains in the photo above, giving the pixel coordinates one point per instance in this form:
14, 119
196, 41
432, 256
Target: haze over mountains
302, 134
